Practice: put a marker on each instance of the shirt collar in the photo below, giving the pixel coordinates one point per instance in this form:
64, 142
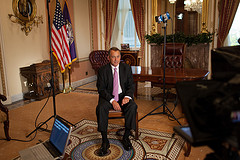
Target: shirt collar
115, 67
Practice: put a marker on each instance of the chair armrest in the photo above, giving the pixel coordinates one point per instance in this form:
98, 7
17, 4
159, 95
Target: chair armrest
2, 107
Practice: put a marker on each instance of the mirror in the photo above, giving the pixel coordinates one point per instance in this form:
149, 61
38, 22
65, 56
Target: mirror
25, 14
189, 22
25, 10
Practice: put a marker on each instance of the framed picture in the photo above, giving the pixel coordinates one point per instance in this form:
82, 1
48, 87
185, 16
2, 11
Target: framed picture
125, 47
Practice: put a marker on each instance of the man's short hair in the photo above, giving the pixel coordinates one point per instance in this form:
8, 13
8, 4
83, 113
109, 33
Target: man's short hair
113, 49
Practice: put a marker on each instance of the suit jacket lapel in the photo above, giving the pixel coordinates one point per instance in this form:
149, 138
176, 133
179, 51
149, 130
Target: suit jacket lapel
120, 74
110, 75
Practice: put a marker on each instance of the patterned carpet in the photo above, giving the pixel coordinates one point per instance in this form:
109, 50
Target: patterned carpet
85, 141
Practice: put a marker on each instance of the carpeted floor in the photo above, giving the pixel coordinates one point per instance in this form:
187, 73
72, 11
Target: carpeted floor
145, 91
85, 142
75, 107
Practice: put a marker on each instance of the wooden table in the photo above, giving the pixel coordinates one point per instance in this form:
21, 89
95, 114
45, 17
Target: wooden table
155, 74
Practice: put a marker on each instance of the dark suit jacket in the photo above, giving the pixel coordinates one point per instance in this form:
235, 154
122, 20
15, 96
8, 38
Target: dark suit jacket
105, 81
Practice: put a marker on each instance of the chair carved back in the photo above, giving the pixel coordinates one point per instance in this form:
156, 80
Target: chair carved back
98, 58
175, 54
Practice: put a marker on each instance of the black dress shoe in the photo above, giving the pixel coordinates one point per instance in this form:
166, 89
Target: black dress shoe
104, 149
127, 144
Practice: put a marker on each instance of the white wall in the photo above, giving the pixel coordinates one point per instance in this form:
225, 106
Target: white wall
82, 28
20, 50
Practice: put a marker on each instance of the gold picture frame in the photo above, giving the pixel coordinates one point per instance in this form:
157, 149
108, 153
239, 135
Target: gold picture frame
125, 47
25, 10
25, 14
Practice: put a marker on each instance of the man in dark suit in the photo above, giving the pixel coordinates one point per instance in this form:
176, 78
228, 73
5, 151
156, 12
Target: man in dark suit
122, 101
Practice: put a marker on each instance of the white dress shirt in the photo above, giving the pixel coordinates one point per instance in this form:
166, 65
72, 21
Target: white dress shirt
119, 86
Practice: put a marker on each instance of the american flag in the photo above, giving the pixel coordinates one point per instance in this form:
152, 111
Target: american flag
60, 42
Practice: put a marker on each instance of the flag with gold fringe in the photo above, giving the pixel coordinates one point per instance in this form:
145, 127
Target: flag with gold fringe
67, 19
60, 41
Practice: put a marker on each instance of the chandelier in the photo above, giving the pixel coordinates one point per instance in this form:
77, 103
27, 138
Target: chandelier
193, 5
172, 1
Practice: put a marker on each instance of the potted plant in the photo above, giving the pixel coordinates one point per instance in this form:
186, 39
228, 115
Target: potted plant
180, 38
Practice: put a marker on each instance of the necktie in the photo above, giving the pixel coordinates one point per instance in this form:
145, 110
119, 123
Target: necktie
115, 84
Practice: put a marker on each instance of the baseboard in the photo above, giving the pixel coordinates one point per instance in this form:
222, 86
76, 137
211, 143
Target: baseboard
80, 82
15, 98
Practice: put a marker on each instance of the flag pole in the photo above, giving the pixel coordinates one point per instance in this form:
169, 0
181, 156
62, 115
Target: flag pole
69, 77
52, 75
52, 79
64, 89
66, 15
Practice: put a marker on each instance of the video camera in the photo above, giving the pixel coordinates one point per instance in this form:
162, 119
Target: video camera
212, 107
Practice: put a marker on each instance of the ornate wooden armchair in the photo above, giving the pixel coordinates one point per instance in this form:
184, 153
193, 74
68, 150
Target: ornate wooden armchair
4, 117
174, 58
98, 58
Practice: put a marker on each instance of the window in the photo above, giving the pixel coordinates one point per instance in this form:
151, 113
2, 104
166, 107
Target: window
129, 32
234, 33
124, 29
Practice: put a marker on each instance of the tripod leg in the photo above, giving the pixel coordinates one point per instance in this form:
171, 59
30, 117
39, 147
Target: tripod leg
176, 101
39, 126
171, 113
150, 112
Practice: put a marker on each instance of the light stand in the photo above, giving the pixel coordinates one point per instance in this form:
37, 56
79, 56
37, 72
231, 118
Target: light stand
164, 104
52, 80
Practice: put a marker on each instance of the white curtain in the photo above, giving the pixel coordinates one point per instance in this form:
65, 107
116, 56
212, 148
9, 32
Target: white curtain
123, 8
234, 32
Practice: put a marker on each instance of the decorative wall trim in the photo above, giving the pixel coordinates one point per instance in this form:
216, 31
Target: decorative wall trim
83, 59
3, 84
204, 25
100, 23
154, 13
91, 23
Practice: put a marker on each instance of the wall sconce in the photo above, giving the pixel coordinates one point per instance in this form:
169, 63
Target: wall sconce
25, 14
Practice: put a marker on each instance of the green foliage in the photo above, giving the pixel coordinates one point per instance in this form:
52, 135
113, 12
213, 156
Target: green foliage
180, 38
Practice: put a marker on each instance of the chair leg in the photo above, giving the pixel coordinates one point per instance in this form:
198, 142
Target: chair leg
136, 132
188, 150
6, 130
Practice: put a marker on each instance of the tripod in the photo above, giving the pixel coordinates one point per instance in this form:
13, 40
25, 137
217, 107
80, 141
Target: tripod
164, 104
52, 80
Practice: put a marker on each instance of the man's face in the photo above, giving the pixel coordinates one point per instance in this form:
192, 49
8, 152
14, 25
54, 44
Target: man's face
115, 58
